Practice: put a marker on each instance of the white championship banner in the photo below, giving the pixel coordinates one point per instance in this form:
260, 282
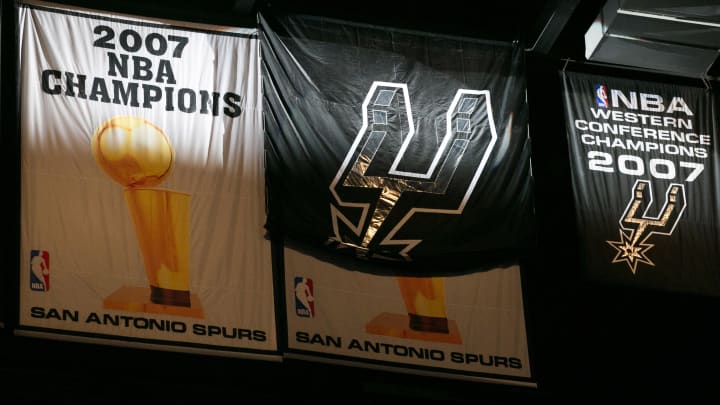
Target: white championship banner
353, 316
142, 205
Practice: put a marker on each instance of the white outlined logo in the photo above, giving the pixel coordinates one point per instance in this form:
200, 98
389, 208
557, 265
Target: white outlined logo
378, 160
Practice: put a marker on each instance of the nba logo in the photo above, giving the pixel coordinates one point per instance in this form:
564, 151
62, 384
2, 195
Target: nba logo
39, 270
304, 300
601, 96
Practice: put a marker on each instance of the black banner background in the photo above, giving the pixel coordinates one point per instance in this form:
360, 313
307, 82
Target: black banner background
316, 74
668, 252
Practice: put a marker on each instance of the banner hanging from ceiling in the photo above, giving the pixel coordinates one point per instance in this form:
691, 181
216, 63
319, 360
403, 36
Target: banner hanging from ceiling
645, 178
396, 146
398, 175
469, 326
143, 183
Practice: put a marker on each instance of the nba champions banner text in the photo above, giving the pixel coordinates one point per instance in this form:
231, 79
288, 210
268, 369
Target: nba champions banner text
646, 183
152, 79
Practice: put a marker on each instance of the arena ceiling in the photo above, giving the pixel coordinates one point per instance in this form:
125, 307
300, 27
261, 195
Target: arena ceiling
679, 37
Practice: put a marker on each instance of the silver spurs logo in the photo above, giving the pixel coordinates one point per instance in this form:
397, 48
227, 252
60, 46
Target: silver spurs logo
390, 157
636, 226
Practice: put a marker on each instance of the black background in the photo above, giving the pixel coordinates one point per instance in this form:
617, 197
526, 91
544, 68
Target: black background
302, 158
590, 341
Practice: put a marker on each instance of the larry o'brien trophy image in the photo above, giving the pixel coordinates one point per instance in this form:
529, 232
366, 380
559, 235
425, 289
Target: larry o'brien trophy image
138, 155
426, 317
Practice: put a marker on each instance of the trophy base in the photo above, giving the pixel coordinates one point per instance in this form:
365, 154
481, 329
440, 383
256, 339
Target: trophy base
137, 299
398, 325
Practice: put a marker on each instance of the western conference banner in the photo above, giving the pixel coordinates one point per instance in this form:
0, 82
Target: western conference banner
398, 174
643, 159
142, 182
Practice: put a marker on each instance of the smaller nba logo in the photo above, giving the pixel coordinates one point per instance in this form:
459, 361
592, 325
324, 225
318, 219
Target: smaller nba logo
39, 270
304, 300
601, 96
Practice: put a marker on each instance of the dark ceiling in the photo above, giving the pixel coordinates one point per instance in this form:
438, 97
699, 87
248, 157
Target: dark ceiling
502, 20
679, 37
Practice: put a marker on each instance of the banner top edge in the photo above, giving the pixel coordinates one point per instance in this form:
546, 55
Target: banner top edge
619, 72
170, 23
510, 44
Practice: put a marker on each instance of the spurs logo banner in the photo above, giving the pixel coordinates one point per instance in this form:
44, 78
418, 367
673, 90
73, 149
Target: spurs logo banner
399, 147
645, 181
399, 193
143, 183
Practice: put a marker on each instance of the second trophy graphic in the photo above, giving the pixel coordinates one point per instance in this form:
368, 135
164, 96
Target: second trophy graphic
426, 318
138, 155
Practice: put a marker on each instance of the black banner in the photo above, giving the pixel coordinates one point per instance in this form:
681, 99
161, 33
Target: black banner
394, 146
645, 181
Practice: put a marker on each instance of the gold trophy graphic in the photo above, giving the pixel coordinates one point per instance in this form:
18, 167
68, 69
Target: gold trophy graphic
426, 318
138, 155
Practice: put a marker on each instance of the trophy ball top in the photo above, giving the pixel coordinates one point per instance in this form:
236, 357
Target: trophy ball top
133, 151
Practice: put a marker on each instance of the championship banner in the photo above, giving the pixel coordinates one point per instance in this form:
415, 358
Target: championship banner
645, 181
397, 147
469, 326
143, 183
399, 187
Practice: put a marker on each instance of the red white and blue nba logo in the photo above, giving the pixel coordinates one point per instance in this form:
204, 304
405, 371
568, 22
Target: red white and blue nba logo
39, 270
304, 297
601, 96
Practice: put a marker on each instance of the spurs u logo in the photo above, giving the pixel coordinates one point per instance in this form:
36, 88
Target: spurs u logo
637, 227
391, 158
